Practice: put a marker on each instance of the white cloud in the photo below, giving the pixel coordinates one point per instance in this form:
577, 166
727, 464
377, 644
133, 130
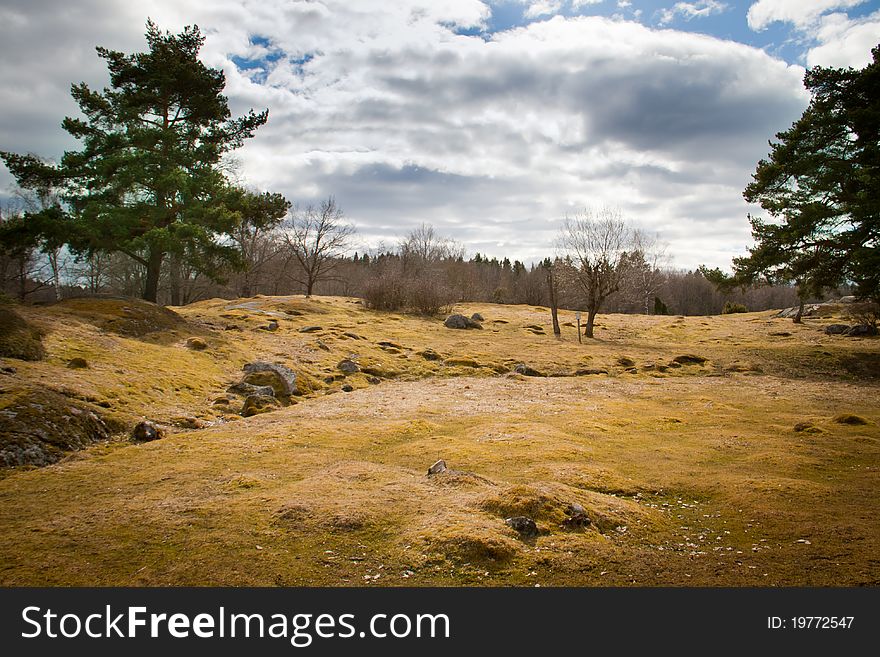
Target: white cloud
580, 4
403, 120
837, 40
543, 8
691, 10
845, 42
801, 13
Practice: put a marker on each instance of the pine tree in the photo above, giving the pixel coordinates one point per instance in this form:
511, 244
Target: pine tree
821, 184
147, 181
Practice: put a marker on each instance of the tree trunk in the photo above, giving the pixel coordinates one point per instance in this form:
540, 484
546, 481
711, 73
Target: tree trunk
174, 279
554, 301
800, 313
591, 318
154, 268
310, 284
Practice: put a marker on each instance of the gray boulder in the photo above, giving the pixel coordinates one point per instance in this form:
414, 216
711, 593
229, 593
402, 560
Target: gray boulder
522, 524
861, 330
837, 329
348, 366
458, 321
437, 468
284, 381
247, 389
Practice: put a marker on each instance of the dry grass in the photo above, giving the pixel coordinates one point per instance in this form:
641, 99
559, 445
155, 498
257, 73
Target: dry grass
736, 470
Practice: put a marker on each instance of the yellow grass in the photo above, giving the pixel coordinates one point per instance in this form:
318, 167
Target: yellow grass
690, 474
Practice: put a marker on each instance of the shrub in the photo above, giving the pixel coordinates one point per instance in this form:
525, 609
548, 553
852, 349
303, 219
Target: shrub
730, 308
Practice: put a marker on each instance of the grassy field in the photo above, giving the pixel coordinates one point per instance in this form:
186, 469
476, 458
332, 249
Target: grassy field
755, 463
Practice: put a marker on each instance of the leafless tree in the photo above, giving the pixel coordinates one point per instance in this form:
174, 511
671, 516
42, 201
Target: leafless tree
316, 239
424, 246
645, 275
598, 244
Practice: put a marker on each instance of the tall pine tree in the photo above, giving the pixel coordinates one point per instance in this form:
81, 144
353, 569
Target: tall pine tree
147, 181
821, 184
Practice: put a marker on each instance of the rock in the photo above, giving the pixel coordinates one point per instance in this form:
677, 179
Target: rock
430, 354
457, 321
625, 361
587, 371
347, 387
8, 369
348, 366
39, 426
256, 404
147, 431
271, 326
374, 380
320, 344
848, 299
389, 344
477, 317
247, 389
196, 344
860, 330
849, 418
353, 336
438, 467
310, 329
284, 381
837, 329
522, 524
689, 359
525, 370
577, 517
77, 363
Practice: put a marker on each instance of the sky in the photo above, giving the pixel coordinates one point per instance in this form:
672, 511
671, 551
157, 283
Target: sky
490, 120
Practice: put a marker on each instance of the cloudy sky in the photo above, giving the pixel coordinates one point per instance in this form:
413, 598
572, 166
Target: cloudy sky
491, 120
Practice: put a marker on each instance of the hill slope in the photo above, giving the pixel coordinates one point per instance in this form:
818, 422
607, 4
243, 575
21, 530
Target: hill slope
664, 452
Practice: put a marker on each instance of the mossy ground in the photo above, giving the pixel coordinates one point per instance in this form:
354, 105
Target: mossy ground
690, 473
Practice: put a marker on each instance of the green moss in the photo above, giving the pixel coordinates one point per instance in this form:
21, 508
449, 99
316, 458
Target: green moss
18, 338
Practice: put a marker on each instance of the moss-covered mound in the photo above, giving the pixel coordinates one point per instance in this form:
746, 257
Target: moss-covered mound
125, 316
37, 427
18, 338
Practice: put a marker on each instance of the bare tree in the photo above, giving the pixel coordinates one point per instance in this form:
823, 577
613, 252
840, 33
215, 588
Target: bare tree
316, 239
598, 244
647, 262
550, 272
423, 246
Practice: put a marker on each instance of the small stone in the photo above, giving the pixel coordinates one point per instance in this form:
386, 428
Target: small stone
147, 431
522, 524
438, 467
430, 354
321, 345
348, 366
525, 370
374, 380
310, 329
77, 363
196, 344
347, 387
257, 404
271, 326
